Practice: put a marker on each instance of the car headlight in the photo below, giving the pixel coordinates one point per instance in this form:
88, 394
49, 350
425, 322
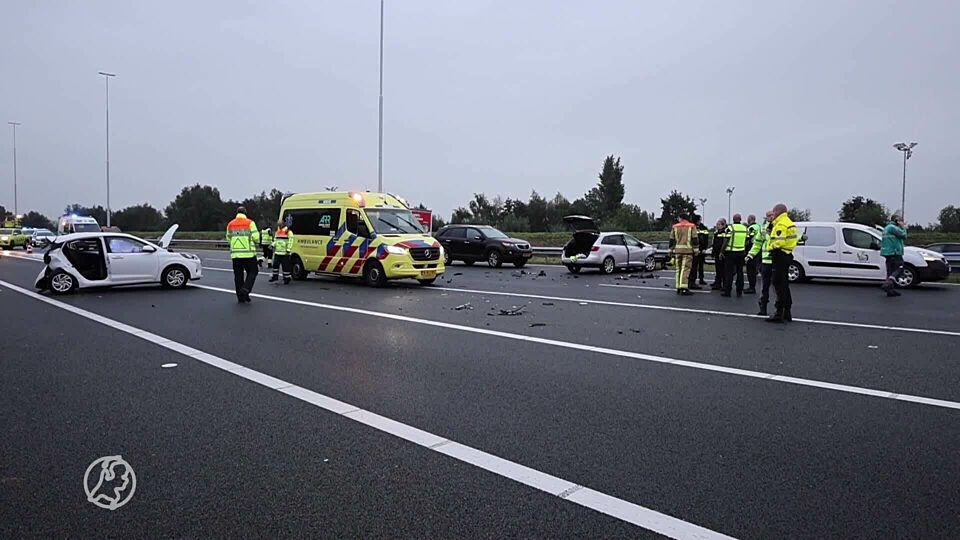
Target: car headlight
4, 237
190, 256
397, 250
507, 244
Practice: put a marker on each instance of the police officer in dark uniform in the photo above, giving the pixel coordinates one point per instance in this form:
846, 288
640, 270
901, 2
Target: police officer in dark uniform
719, 237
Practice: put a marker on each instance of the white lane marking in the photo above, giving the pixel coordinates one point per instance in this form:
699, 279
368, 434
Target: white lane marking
607, 504
645, 287
824, 322
168, 365
885, 394
699, 311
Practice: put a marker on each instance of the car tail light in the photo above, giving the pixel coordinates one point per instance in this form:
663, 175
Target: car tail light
595, 248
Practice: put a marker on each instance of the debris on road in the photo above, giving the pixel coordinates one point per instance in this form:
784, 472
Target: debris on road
513, 311
547, 303
542, 273
462, 307
636, 330
620, 332
458, 273
537, 324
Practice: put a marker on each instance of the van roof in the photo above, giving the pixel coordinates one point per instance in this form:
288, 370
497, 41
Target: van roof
356, 199
81, 219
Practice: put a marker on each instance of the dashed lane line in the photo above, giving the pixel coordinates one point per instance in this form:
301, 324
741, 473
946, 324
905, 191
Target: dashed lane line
558, 487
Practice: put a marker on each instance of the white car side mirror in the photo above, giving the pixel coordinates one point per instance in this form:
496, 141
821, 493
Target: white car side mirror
149, 249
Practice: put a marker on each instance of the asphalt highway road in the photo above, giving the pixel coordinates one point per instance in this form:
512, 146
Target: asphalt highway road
607, 408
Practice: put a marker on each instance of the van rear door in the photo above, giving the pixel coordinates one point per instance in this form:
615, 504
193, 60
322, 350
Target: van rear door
821, 251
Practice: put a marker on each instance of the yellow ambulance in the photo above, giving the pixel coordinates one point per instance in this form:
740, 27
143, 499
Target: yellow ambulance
367, 235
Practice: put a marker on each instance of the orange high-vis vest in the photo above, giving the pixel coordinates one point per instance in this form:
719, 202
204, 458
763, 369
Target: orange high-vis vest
243, 236
683, 235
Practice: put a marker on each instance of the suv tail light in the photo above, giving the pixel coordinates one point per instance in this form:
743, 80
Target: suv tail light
595, 248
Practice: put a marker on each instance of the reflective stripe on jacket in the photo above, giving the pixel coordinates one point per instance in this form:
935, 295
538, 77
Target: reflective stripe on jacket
761, 244
784, 235
738, 237
683, 235
281, 244
243, 236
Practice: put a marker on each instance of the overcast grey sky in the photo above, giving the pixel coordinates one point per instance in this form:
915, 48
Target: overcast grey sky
794, 101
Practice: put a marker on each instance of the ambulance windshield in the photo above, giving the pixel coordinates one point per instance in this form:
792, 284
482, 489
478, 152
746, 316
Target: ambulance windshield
393, 221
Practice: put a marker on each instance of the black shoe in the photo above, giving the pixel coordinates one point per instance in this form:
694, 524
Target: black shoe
684, 292
272, 279
787, 316
716, 287
702, 282
775, 318
286, 281
739, 294
696, 288
725, 294
763, 311
751, 290
892, 292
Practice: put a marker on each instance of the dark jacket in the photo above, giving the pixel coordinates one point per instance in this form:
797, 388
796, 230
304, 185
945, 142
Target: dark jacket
703, 237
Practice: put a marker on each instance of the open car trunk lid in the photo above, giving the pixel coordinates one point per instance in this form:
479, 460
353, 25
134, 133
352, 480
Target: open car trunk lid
581, 224
168, 236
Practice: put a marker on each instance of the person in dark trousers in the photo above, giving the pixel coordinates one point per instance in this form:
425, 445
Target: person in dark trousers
753, 229
734, 253
892, 251
761, 248
281, 255
703, 240
719, 236
783, 240
243, 237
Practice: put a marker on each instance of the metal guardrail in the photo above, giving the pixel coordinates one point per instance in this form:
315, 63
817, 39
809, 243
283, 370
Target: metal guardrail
223, 243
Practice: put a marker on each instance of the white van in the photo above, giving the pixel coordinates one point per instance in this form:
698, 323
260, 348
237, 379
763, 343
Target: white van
77, 224
836, 250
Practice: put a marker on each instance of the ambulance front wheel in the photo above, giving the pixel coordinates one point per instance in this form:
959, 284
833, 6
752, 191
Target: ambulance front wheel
298, 271
374, 275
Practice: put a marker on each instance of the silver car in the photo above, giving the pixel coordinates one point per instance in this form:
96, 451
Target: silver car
608, 251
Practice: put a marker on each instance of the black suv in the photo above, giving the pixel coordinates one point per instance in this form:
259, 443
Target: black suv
472, 243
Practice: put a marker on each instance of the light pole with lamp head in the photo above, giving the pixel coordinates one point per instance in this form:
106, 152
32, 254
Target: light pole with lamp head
729, 201
703, 208
907, 150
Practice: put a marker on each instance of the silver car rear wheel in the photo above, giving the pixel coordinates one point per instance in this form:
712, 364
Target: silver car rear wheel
608, 265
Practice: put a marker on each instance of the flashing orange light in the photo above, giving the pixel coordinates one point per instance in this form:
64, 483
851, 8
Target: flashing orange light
358, 198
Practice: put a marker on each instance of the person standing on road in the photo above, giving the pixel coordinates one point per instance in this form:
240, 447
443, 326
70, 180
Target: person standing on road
719, 237
683, 239
734, 251
243, 236
761, 246
266, 242
753, 229
892, 251
783, 240
281, 253
703, 239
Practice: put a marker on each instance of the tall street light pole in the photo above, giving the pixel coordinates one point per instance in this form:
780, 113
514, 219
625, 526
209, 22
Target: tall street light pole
380, 131
907, 150
729, 201
703, 208
16, 209
106, 78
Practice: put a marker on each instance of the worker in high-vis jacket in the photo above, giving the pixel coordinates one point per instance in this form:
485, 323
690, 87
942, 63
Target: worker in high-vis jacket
266, 243
783, 240
761, 248
734, 253
243, 237
752, 265
281, 253
683, 243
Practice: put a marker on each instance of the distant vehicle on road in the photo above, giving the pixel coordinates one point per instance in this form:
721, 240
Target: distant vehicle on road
95, 259
472, 243
951, 252
835, 250
42, 237
13, 238
77, 224
608, 251
662, 254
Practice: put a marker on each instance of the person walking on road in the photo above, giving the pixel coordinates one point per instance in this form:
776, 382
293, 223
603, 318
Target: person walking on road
761, 247
243, 237
703, 239
281, 253
783, 240
266, 243
753, 229
719, 237
683, 240
891, 250
734, 252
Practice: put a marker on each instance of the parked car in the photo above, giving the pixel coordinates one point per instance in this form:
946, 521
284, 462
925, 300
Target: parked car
951, 252
852, 251
608, 251
472, 243
95, 259
42, 237
13, 238
662, 254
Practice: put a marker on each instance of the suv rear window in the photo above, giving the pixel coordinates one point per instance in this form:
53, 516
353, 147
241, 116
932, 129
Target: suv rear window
455, 232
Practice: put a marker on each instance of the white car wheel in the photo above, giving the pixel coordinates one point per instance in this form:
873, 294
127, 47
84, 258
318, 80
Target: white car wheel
62, 283
907, 278
794, 272
649, 263
175, 277
609, 266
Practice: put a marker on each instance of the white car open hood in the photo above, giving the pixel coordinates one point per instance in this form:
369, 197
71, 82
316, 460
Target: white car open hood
168, 236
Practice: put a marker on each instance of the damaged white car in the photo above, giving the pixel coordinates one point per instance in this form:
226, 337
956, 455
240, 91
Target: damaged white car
105, 259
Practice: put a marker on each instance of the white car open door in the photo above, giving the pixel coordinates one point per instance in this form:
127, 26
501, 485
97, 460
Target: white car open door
168, 236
